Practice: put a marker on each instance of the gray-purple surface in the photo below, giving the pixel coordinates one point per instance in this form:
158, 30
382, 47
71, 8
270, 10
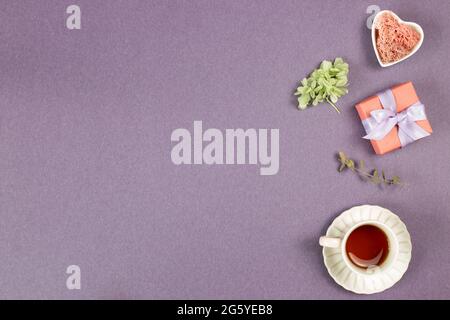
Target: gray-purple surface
86, 175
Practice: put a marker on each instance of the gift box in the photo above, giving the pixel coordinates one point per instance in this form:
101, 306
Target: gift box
394, 118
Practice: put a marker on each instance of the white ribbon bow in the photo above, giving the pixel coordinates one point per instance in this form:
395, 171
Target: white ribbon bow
382, 121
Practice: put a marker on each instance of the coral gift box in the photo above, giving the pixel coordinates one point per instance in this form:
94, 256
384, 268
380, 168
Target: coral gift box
394, 118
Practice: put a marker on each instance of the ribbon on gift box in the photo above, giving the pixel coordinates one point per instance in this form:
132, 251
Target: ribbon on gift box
382, 121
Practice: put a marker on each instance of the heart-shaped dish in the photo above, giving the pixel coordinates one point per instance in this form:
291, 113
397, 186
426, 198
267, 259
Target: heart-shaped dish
413, 25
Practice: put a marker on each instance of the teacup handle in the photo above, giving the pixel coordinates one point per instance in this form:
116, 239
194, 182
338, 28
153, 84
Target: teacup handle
330, 242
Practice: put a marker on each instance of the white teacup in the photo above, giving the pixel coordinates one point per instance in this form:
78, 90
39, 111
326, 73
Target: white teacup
374, 278
341, 244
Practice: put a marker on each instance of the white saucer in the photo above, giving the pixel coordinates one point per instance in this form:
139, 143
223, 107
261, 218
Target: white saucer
359, 282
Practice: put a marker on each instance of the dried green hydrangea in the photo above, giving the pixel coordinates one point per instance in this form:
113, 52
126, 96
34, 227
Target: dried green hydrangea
328, 83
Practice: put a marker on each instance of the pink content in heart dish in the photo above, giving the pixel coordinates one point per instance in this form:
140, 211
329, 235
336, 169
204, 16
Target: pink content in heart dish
393, 39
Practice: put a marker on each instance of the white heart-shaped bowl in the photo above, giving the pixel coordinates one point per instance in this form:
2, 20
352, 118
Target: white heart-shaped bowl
412, 24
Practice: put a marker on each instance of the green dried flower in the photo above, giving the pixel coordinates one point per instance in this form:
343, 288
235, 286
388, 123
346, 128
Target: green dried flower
372, 176
328, 83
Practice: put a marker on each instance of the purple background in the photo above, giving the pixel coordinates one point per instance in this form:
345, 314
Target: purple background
85, 170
